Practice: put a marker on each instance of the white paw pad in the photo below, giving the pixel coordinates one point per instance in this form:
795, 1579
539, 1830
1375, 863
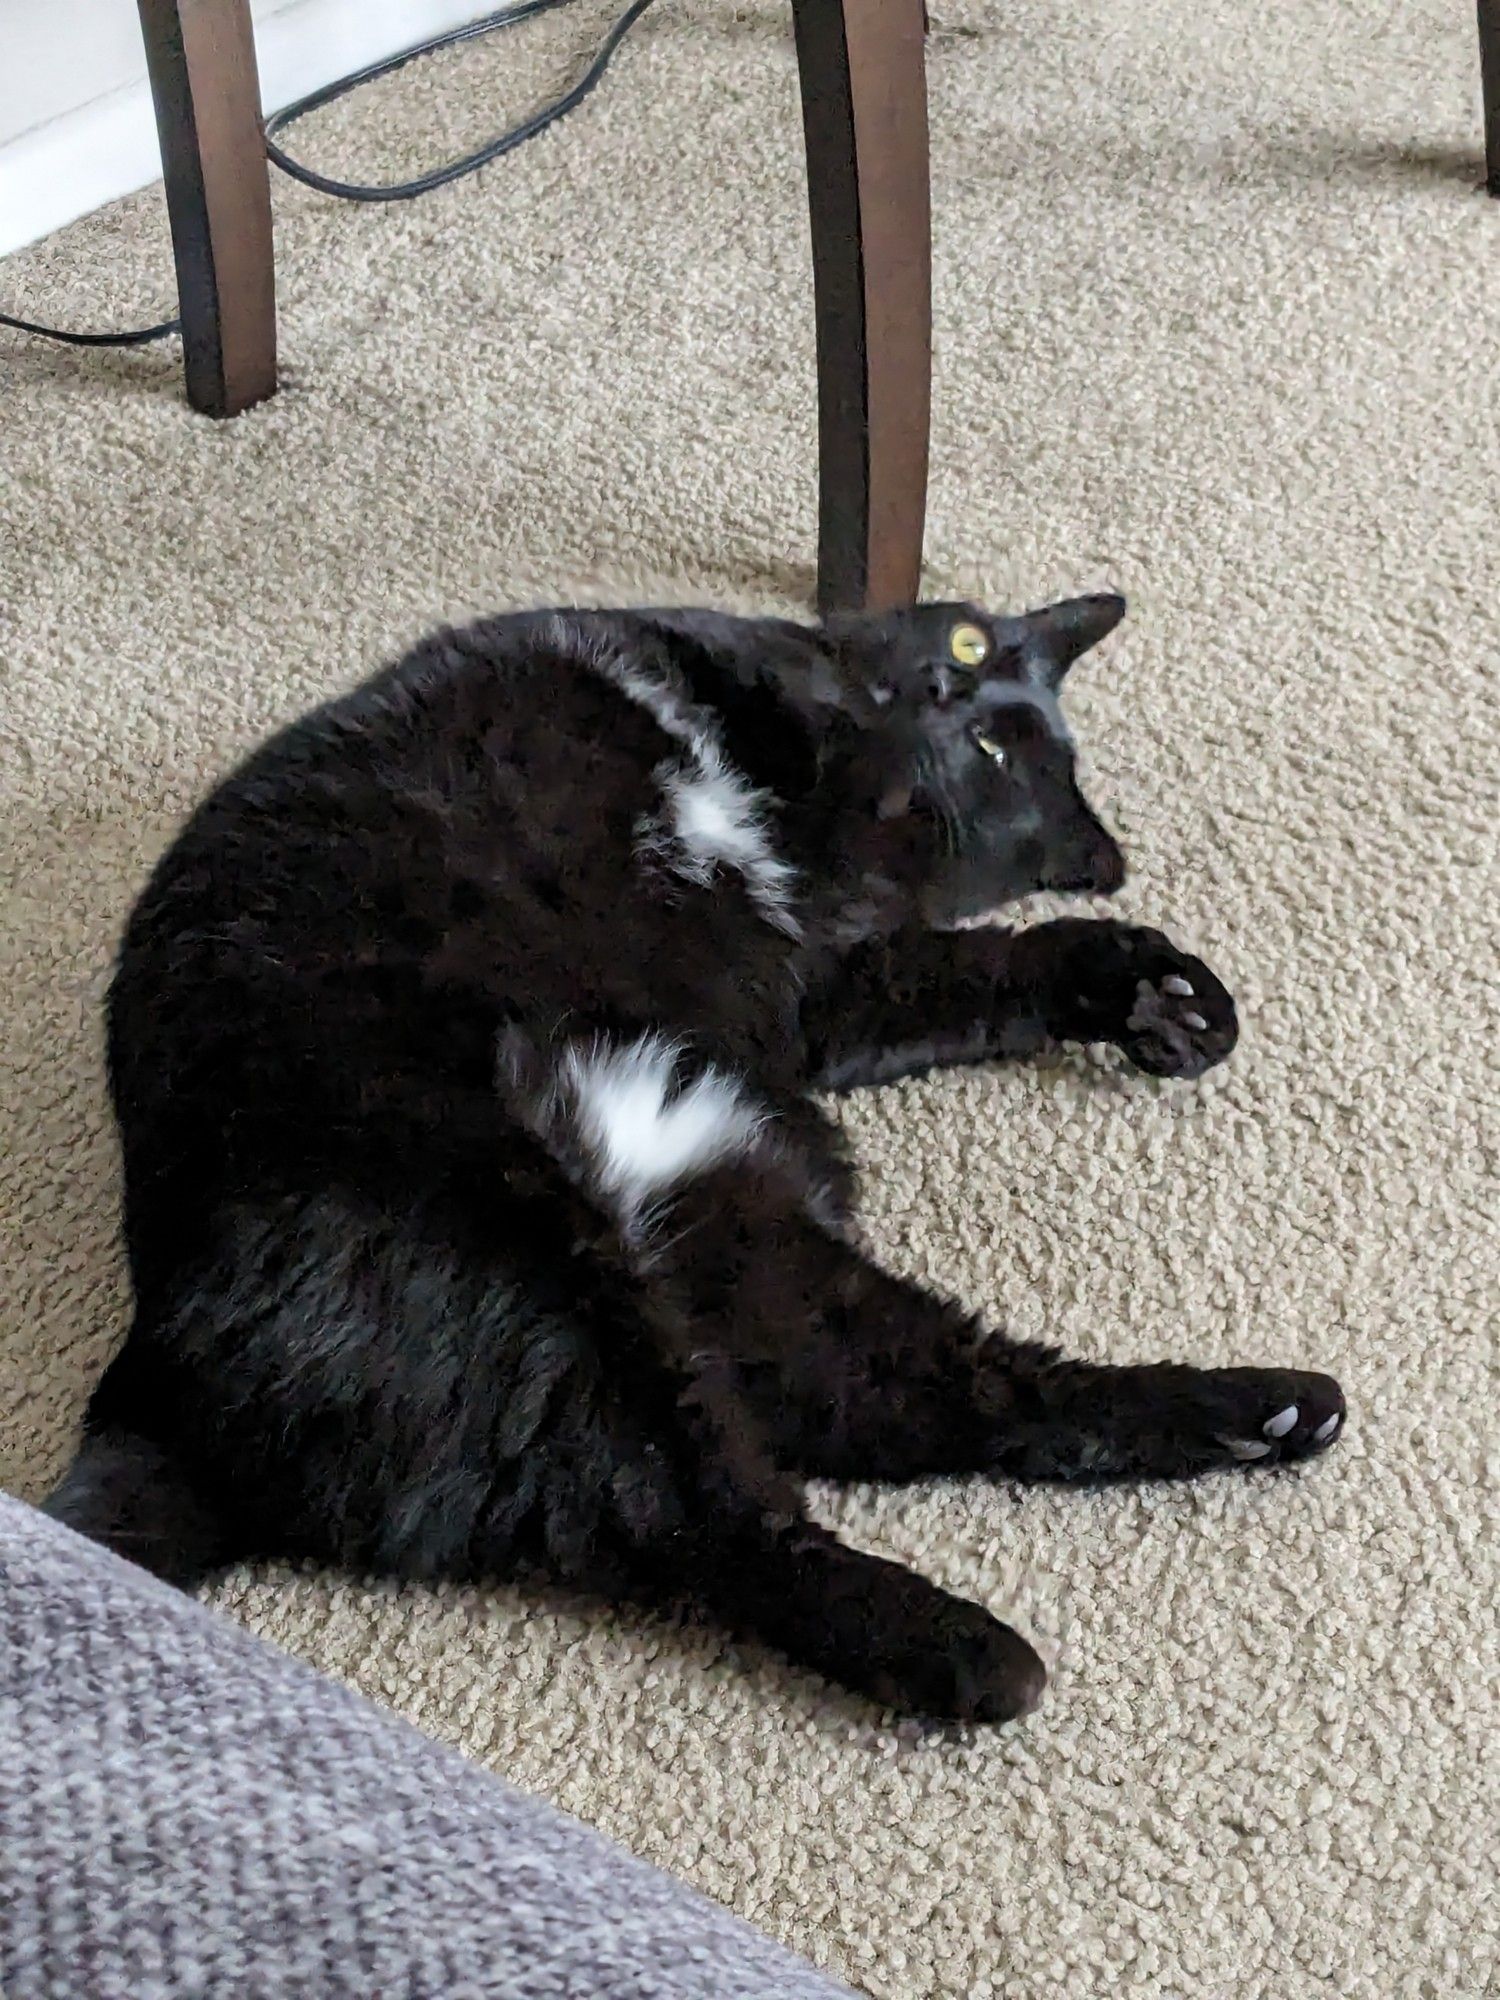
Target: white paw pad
1176, 984
1247, 1448
1328, 1428
1281, 1423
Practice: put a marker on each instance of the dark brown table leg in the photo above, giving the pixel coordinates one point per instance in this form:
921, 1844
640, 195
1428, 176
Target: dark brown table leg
864, 103
1489, 69
201, 58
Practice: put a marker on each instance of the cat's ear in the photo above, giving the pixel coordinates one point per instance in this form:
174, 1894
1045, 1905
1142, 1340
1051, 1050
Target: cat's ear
1054, 637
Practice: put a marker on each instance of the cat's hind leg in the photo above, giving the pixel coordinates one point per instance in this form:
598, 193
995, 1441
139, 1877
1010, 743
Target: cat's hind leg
1166, 1420
728, 1283
655, 1480
914, 1407
866, 1623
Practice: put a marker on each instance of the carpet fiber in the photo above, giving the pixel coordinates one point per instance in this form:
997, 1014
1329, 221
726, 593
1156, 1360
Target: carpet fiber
1216, 322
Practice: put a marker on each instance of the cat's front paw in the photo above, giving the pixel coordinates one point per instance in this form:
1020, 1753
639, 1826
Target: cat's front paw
1257, 1417
1181, 1020
1272, 1416
1131, 986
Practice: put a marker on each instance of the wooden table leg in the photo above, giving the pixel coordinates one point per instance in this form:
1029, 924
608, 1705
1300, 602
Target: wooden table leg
1489, 70
201, 59
864, 104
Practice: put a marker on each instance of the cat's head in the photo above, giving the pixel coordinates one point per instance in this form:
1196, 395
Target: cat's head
967, 761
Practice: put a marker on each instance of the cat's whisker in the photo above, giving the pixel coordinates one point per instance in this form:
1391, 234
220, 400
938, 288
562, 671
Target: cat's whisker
937, 789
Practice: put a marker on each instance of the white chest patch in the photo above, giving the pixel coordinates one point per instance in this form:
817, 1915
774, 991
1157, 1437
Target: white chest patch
639, 1139
711, 819
628, 1121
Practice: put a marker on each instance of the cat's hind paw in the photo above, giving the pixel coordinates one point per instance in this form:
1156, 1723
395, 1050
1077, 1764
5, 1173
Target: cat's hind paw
956, 1665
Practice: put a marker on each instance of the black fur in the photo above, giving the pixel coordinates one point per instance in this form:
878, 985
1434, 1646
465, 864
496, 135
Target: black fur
422, 1286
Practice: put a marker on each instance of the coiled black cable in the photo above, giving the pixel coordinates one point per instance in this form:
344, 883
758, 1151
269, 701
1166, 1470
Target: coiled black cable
507, 142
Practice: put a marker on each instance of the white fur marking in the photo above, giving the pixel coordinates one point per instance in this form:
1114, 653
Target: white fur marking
712, 820
640, 1142
717, 819
666, 706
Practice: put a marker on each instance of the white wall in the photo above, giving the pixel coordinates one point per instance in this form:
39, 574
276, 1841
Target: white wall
76, 126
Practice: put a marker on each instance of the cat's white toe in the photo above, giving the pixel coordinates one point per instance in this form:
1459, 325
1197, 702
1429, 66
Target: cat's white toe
1281, 1423
1328, 1428
1247, 1448
1175, 983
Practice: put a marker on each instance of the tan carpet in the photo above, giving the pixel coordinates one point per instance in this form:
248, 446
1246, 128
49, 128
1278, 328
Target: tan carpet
1218, 320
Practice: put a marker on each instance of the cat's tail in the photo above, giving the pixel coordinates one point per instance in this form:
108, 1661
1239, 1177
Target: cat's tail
129, 1494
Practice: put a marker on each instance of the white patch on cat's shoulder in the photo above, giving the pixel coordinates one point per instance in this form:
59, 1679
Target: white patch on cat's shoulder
641, 1139
716, 818
711, 817
719, 821
688, 726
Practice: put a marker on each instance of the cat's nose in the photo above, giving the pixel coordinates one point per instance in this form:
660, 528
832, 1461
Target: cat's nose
1097, 868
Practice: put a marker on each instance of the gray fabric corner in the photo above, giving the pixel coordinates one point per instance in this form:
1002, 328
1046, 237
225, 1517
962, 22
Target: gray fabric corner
186, 1812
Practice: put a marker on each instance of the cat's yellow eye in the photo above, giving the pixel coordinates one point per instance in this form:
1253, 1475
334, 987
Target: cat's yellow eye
968, 645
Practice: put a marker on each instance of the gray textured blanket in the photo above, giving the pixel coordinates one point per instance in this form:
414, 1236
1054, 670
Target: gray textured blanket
184, 1811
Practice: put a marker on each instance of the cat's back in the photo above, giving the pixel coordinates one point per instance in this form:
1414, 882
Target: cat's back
496, 821
475, 753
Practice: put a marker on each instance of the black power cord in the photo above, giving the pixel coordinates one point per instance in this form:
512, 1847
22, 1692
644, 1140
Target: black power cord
507, 142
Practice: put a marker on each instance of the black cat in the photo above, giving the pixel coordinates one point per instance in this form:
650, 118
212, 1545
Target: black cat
479, 1216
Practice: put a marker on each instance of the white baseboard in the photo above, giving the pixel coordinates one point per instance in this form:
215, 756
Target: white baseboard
106, 148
